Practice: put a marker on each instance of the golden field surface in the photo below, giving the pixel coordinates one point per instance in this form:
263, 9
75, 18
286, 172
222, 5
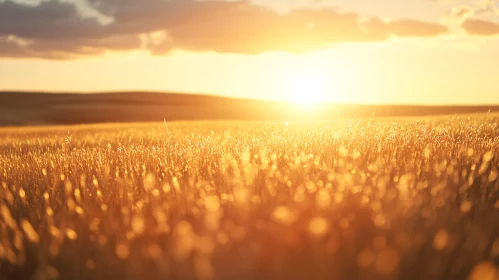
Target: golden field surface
407, 198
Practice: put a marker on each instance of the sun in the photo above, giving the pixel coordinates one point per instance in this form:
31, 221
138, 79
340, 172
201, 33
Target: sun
309, 81
307, 90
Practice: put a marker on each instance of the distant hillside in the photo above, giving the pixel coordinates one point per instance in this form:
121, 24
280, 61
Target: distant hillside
30, 108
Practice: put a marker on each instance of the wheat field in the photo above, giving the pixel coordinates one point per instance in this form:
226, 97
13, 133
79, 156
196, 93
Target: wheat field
379, 198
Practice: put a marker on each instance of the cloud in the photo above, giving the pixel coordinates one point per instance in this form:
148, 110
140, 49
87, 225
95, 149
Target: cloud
58, 30
50, 20
480, 27
474, 9
9, 48
460, 14
414, 28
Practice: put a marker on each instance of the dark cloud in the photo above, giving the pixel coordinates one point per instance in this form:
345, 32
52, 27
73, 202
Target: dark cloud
50, 20
56, 29
480, 27
414, 28
9, 48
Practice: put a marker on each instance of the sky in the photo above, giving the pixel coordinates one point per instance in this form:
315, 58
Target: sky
348, 51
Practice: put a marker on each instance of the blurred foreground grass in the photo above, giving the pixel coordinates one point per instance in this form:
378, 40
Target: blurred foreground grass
354, 199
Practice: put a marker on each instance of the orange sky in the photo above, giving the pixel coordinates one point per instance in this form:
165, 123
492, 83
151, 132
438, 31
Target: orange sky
424, 52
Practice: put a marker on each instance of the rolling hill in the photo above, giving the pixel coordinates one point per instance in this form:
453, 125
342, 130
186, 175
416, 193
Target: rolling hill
37, 108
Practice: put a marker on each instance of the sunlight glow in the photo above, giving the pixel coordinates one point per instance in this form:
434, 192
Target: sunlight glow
309, 80
307, 90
